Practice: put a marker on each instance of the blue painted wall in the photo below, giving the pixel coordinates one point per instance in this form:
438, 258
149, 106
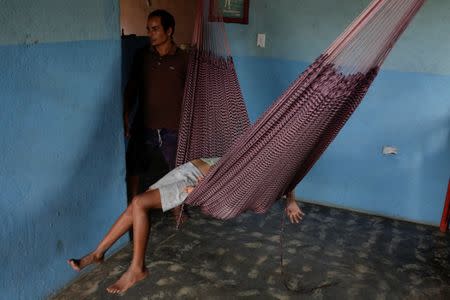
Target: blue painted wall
62, 152
408, 105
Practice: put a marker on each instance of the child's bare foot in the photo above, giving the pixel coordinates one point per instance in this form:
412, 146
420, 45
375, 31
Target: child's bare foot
127, 280
79, 264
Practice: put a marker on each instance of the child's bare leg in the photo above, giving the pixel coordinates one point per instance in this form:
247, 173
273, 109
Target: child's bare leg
132, 190
141, 228
122, 225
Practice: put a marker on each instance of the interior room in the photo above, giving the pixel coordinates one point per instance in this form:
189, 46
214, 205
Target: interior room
325, 168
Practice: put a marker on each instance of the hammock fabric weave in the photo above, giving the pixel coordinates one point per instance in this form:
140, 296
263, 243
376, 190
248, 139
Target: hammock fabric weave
276, 153
213, 114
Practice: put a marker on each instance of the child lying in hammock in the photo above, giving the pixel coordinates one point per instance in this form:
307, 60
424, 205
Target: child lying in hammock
169, 192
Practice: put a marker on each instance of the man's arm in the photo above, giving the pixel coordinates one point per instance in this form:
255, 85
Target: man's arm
129, 99
131, 89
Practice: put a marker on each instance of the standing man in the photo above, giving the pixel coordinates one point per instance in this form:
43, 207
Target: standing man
157, 82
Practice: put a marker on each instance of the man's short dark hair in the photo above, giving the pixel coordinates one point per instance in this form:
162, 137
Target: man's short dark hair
167, 20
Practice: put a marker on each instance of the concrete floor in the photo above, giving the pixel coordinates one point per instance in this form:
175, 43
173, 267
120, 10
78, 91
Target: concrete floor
332, 254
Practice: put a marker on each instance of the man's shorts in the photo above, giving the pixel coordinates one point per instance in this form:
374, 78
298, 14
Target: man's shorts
172, 185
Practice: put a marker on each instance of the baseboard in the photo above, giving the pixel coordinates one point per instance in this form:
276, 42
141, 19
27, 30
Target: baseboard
366, 212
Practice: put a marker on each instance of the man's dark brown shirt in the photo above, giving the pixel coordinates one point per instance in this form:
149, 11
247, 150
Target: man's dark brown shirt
160, 81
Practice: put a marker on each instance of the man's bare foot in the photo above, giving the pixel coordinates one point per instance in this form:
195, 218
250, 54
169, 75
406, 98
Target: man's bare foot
127, 280
79, 264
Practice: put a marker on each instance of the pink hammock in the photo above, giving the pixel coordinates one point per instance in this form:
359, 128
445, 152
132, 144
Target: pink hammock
213, 114
276, 153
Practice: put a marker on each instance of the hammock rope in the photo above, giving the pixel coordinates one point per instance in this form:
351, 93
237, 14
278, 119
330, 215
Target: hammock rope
274, 155
214, 114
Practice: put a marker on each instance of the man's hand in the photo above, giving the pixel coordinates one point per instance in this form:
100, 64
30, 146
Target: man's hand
126, 127
127, 132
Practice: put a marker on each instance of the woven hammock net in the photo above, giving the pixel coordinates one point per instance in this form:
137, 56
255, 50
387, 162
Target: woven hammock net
214, 114
272, 156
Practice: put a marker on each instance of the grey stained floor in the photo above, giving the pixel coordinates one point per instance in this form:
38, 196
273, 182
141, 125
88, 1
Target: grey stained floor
332, 254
